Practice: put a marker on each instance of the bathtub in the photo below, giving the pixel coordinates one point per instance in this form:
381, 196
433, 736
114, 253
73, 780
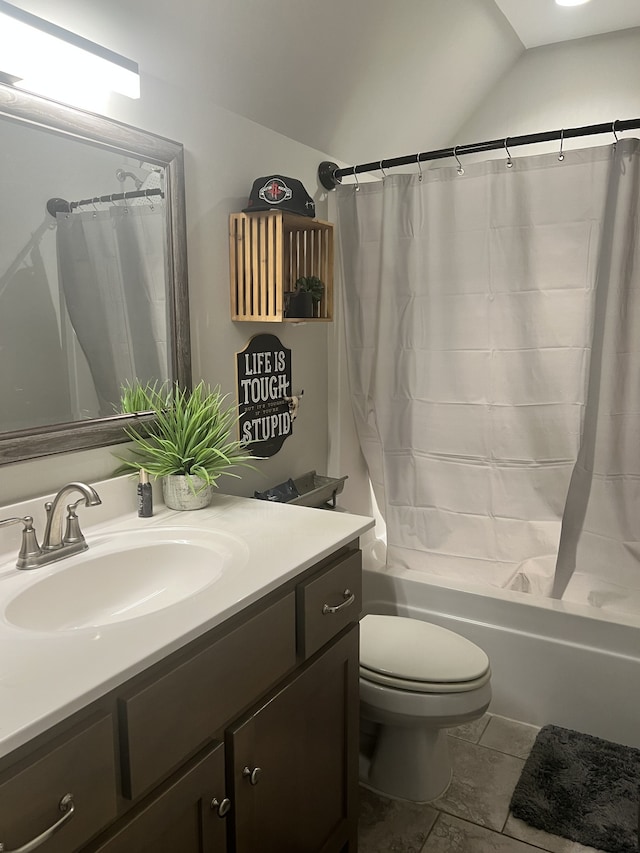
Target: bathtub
551, 661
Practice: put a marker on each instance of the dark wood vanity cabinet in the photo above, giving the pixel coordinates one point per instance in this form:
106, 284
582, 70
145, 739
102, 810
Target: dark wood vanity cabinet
245, 741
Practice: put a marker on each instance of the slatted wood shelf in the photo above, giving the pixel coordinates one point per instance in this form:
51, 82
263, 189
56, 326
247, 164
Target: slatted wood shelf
268, 252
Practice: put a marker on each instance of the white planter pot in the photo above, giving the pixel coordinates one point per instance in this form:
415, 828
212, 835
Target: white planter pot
178, 492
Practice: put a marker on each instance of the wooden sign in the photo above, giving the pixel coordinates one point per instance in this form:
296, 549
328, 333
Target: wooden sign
264, 394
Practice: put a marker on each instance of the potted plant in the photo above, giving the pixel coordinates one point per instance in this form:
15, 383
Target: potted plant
188, 444
308, 294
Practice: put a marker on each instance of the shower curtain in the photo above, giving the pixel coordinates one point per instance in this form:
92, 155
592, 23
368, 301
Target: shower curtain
499, 427
111, 267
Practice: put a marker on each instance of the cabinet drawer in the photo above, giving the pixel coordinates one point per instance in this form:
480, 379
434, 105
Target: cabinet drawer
328, 602
167, 720
82, 765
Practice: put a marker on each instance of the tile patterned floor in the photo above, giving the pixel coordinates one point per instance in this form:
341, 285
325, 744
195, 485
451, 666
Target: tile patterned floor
472, 816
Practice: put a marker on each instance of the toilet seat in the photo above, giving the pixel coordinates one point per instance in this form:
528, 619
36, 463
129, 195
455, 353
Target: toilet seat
408, 654
424, 686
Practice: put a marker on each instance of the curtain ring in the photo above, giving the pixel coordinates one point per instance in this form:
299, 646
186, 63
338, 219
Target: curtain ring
560, 154
384, 174
149, 199
613, 130
419, 167
509, 160
460, 168
357, 189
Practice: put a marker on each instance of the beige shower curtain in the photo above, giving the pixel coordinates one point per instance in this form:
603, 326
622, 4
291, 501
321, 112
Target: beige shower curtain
470, 304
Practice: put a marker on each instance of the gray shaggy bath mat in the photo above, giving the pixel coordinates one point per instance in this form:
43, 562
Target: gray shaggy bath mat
582, 788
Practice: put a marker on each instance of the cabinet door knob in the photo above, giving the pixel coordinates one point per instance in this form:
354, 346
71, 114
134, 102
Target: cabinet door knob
349, 598
223, 807
253, 775
65, 805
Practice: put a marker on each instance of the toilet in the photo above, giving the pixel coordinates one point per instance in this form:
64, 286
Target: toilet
416, 681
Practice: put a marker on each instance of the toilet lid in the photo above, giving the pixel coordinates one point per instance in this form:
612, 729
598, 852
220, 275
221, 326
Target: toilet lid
412, 650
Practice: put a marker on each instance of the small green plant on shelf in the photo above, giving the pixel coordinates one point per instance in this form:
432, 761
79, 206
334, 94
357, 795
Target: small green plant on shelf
311, 284
302, 301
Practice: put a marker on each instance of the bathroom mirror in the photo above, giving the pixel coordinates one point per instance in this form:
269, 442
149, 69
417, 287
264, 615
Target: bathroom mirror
93, 293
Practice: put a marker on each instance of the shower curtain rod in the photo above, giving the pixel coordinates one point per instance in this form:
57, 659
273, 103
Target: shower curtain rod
329, 174
61, 205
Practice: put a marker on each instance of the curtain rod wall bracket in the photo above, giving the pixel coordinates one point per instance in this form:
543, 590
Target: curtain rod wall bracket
327, 174
57, 205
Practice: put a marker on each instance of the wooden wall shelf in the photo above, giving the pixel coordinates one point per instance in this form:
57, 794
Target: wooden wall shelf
268, 252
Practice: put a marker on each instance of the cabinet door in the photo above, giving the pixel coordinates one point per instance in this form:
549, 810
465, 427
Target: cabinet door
294, 761
181, 818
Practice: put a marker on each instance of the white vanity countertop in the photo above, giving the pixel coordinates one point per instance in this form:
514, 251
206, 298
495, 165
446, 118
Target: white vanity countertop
45, 677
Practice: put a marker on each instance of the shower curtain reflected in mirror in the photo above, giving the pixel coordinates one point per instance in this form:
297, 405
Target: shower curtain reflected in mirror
33, 370
111, 266
488, 405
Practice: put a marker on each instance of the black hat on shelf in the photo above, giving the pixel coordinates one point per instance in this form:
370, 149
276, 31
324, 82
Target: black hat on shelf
275, 192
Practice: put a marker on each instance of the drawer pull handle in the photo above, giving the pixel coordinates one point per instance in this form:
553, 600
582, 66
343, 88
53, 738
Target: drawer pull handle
65, 805
349, 598
223, 808
254, 775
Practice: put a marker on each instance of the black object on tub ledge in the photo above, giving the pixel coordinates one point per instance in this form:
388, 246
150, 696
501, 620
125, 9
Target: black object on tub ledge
310, 489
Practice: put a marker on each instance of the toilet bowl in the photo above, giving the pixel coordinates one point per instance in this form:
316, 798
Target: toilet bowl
416, 681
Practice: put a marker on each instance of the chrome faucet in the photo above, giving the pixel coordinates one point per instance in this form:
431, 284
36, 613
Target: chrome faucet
53, 538
55, 545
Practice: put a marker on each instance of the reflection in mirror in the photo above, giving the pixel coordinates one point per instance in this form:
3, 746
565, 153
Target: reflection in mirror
92, 273
83, 304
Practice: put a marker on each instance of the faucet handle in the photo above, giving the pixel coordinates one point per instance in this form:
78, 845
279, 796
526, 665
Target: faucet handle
29, 547
27, 520
73, 534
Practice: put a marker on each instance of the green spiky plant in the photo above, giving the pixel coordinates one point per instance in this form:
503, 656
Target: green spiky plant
191, 433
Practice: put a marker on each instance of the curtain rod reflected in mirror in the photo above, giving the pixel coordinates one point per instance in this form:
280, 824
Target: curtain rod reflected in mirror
61, 205
75, 326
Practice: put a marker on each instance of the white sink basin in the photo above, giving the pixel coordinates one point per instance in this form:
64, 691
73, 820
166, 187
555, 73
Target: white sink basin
124, 576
